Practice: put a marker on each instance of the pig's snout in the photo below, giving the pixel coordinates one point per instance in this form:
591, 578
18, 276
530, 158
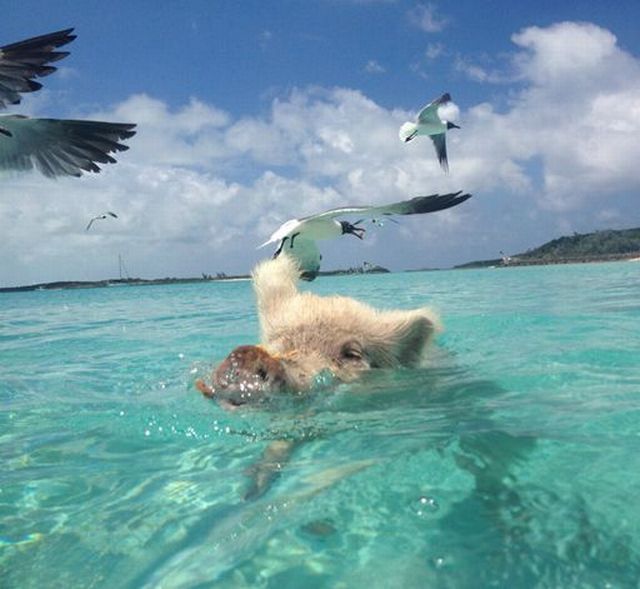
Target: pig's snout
247, 374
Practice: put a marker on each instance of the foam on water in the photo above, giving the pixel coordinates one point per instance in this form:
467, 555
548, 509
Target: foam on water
511, 460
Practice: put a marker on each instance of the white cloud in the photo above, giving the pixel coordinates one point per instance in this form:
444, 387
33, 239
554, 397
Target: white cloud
426, 17
434, 50
565, 49
479, 73
264, 39
373, 67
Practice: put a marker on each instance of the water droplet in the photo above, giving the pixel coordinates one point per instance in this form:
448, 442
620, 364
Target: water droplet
438, 562
425, 506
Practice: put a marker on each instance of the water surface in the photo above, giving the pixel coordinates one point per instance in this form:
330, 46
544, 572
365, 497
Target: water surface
511, 460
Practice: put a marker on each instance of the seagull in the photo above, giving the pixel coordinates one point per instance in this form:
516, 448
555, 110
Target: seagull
103, 216
429, 123
56, 147
297, 237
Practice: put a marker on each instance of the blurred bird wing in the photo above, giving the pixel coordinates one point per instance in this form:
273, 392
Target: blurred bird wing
429, 114
60, 147
337, 212
440, 143
23, 61
285, 230
414, 206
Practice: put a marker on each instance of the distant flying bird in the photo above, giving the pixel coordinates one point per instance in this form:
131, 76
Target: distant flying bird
297, 237
103, 216
429, 123
56, 147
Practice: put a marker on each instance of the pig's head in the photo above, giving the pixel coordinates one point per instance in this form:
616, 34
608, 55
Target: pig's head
307, 337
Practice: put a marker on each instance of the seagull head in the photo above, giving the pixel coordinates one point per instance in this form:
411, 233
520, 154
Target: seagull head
407, 131
352, 229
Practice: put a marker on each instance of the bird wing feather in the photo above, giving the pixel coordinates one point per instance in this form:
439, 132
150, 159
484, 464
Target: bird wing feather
429, 114
440, 143
23, 61
414, 206
281, 232
60, 147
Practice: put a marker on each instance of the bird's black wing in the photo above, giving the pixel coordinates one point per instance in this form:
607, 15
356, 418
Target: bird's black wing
23, 61
60, 147
440, 143
420, 205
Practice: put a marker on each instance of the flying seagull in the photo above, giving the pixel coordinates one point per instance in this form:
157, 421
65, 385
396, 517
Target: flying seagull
429, 123
297, 237
103, 216
56, 147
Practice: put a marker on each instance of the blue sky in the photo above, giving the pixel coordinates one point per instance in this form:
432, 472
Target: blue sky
253, 112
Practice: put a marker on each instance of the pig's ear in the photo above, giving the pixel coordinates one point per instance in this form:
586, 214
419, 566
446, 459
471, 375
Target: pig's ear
413, 335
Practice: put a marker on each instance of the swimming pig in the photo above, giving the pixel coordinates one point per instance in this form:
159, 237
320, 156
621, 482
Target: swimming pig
306, 337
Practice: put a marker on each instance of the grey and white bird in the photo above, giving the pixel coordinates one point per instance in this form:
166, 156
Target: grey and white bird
428, 122
56, 147
98, 217
297, 237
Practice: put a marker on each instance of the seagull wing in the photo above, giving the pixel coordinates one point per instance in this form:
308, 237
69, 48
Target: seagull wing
415, 206
429, 114
23, 61
60, 147
91, 223
440, 143
112, 214
306, 253
420, 205
285, 230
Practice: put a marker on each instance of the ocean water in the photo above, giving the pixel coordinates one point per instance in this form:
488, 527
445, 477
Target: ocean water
511, 460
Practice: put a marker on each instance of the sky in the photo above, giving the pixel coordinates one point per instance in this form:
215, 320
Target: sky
251, 113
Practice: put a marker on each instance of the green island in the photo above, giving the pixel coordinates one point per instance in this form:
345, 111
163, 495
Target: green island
599, 246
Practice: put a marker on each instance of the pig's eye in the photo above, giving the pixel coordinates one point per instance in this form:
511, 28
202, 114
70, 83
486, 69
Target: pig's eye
351, 351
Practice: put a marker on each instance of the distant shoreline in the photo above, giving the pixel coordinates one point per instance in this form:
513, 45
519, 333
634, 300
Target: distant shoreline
480, 264
527, 261
122, 282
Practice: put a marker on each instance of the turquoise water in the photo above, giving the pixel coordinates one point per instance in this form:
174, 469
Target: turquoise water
511, 460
